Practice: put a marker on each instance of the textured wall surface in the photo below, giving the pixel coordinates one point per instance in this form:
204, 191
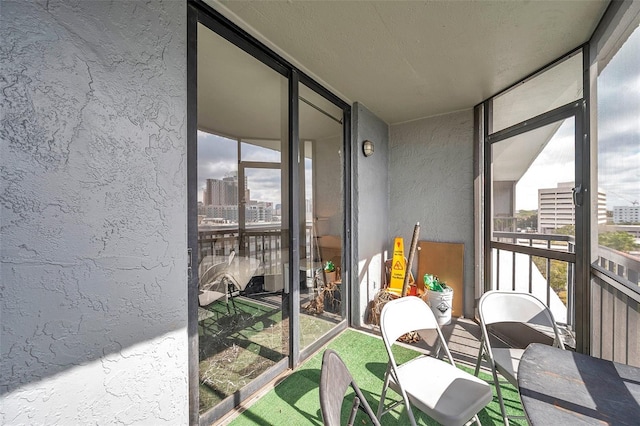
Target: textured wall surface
431, 177
371, 207
93, 212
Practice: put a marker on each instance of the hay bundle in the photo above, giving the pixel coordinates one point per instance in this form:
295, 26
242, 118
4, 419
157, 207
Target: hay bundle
375, 309
376, 305
315, 305
326, 295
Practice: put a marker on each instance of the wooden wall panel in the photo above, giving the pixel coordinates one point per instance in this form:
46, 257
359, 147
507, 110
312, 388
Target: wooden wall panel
446, 260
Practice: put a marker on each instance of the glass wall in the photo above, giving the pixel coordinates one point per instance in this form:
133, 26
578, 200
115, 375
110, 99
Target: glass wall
618, 159
256, 317
242, 316
534, 157
615, 228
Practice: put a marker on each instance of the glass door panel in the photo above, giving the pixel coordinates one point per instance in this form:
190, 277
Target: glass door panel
533, 181
242, 106
321, 138
617, 223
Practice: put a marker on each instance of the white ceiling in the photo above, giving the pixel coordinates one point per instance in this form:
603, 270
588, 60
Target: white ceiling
410, 60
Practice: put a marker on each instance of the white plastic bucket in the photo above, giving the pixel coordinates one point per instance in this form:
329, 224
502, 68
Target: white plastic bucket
440, 302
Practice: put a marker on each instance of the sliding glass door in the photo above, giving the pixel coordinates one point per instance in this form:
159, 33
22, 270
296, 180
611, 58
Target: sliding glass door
267, 186
241, 249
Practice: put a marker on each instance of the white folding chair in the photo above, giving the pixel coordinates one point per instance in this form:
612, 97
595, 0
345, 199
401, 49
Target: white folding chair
510, 307
437, 388
216, 283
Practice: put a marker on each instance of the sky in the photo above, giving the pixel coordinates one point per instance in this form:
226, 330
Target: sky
619, 125
618, 94
218, 157
554, 164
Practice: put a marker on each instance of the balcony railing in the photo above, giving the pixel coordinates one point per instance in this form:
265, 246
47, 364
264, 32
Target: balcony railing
262, 242
615, 307
542, 274
615, 289
621, 264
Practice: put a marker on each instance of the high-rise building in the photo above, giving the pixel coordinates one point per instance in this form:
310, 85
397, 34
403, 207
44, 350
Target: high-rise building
626, 214
556, 208
602, 208
259, 211
222, 192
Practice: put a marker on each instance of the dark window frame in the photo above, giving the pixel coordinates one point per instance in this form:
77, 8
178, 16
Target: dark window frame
200, 12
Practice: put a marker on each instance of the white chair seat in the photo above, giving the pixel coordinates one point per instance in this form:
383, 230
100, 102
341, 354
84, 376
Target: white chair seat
507, 360
451, 396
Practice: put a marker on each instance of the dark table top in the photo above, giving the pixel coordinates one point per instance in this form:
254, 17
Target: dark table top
561, 387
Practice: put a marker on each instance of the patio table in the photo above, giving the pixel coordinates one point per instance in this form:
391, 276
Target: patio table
564, 387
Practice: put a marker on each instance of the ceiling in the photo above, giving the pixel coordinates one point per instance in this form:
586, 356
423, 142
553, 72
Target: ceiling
410, 60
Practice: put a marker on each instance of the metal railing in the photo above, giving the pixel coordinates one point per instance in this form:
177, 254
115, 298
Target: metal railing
615, 317
614, 284
262, 242
621, 264
538, 267
615, 307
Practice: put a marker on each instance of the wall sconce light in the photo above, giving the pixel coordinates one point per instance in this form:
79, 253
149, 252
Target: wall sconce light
367, 148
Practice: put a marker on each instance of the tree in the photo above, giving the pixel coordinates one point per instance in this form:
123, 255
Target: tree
565, 230
558, 270
619, 240
527, 219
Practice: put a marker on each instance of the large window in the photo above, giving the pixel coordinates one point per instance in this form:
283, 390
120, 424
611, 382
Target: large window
534, 160
618, 224
615, 228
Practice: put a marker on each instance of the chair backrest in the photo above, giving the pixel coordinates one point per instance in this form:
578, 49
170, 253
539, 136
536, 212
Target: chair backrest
400, 316
213, 274
507, 306
335, 379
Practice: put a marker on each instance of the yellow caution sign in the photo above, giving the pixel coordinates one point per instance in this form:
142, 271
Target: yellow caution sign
398, 267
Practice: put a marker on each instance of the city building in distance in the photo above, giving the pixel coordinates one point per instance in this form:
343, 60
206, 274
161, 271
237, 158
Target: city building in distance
556, 208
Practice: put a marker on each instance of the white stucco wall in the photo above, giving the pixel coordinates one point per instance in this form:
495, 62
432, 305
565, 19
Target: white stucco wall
371, 208
93, 212
431, 178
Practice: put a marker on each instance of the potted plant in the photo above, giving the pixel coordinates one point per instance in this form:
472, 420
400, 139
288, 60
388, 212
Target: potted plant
329, 271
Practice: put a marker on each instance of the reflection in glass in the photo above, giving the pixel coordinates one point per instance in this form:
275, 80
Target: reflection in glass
242, 321
321, 297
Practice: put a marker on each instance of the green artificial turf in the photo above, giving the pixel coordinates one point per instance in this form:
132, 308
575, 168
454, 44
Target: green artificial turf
239, 344
295, 401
